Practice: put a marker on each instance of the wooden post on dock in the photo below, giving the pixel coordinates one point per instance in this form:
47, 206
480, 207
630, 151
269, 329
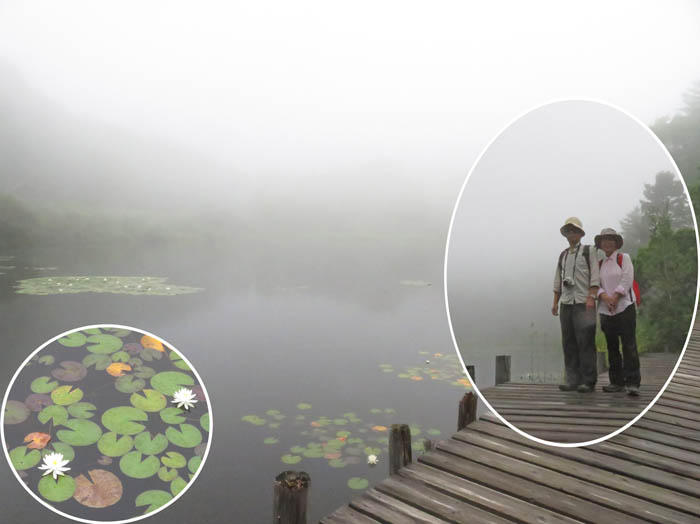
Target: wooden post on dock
502, 369
472, 373
291, 490
602, 362
399, 447
427, 444
467, 410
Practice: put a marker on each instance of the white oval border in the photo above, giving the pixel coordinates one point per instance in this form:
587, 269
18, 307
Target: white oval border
447, 250
79, 519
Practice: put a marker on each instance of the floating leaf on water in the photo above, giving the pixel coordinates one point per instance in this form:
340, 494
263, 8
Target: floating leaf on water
16, 412
124, 420
36, 402
166, 474
369, 450
433, 431
153, 498
194, 463
383, 440
104, 461
313, 452
73, 340
177, 485
389, 410
358, 483
59, 447
150, 354
151, 400
104, 489
272, 412
332, 455
134, 465
47, 360
379, 428
43, 385
340, 421
150, 445
130, 285
403, 375
56, 490
297, 449
355, 440
303, 405
337, 463
374, 411
415, 430
173, 459
271, 440
69, 371
291, 459
152, 343
168, 382
342, 434
82, 410
178, 362
111, 445
133, 348
199, 450
120, 356
37, 440
204, 422
173, 415
118, 332
99, 361
143, 371
22, 459
65, 395
79, 433
187, 436
92, 331
253, 419
117, 369
129, 384
104, 344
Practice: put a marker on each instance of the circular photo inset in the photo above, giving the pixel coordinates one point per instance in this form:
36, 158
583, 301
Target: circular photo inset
106, 423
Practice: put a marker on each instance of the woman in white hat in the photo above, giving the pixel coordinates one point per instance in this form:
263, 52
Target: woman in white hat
618, 313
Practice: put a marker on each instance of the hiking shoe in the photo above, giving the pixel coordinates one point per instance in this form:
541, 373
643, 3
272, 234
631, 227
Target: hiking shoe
568, 387
585, 388
633, 391
613, 388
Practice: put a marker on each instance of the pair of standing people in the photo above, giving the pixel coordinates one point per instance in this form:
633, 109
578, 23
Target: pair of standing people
581, 280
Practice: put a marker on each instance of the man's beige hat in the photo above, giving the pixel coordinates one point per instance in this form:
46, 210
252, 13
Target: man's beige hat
609, 232
572, 221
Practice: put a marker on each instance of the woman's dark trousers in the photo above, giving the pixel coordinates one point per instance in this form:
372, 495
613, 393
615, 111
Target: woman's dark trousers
624, 368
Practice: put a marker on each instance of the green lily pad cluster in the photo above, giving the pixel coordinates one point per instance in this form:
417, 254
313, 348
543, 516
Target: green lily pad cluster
121, 285
435, 366
345, 440
104, 401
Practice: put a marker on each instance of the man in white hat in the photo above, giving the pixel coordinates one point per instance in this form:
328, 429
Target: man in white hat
576, 283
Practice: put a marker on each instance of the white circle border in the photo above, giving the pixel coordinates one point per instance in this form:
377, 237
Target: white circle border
447, 249
88, 521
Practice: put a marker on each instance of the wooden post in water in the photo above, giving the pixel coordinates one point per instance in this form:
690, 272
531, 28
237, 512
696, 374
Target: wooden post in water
602, 362
467, 410
427, 444
399, 447
472, 373
502, 369
291, 490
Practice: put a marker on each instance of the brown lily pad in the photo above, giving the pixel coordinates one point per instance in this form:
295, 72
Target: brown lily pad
133, 348
70, 371
38, 401
105, 489
37, 440
199, 450
199, 392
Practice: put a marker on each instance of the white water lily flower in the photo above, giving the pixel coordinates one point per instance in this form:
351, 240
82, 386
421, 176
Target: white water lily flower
54, 463
184, 398
372, 460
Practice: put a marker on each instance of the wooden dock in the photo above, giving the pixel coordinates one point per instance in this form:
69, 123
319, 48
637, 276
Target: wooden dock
488, 473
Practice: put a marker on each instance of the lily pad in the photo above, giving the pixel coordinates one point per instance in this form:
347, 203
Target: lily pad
105, 489
303, 405
177, 485
150, 354
253, 419
204, 421
111, 445
79, 433
313, 452
120, 356
142, 371
47, 360
22, 458
129, 384
69, 371
291, 459
36, 402
173, 459
57, 414
122, 285
65, 395
173, 415
104, 344
133, 348
271, 440
168, 382
153, 498
43, 385
150, 445
433, 431
134, 465
59, 447
118, 332
178, 362
167, 474
73, 340
56, 490
82, 410
151, 401
194, 463
358, 483
124, 420
337, 463
16, 412
99, 361
187, 437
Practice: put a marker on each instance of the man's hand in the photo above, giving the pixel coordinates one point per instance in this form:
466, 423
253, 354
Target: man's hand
555, 309
590, 303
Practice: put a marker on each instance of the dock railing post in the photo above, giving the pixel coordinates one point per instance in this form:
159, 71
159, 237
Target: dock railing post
467, 410
291, 491
502, 369
399, 447
472, 373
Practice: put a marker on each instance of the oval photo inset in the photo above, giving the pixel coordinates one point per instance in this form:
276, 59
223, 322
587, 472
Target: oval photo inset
571, 272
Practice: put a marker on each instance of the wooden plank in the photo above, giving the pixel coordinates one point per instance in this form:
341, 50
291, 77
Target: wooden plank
388, 509
656, 448
649, 459
345, 515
